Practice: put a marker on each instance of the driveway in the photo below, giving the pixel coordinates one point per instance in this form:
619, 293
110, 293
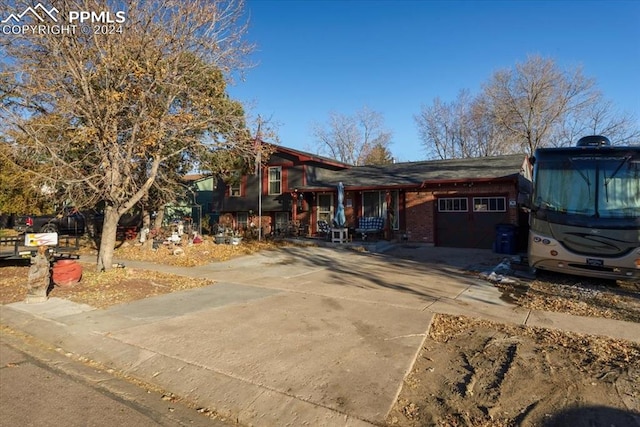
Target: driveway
313, 335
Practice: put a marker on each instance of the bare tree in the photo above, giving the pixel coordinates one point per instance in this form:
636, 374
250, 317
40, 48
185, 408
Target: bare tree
460, 129
598, 118
105, 116
533, 105
350, 139
436, 127
530, 102
484, 134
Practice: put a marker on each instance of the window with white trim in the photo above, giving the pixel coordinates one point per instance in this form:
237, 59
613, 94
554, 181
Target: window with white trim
325, 207
489, 204
453, 204
234, 190
275, 180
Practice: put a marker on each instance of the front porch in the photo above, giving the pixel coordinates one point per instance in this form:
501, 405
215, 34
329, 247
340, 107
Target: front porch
356, 244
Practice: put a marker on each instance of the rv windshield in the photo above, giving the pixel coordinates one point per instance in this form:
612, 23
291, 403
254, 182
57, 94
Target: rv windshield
603, 187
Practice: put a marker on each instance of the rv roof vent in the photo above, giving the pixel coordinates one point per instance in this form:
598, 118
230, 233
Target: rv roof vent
593, 141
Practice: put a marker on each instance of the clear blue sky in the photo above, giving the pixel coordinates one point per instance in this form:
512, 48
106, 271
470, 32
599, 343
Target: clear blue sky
314, 57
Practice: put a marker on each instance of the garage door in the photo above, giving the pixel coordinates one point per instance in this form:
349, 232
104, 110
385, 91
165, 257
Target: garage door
469, 221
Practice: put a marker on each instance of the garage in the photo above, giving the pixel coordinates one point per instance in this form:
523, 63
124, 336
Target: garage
469, 221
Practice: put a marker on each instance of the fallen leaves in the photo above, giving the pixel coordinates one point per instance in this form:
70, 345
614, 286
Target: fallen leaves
463, 376
580, 297
121, 285
13, 284
191, 254
588, 348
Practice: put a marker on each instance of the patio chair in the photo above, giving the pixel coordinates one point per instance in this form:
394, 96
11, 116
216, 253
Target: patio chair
324, 228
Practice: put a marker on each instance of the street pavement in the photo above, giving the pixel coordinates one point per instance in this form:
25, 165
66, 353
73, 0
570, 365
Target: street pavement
43, 387
319, 336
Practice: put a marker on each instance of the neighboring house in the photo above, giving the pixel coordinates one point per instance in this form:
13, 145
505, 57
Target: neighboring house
443, 202
194, 203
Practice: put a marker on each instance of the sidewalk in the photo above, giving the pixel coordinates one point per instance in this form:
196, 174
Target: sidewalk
314, 335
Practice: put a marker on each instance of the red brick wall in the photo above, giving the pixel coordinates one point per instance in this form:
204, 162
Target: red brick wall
420, 207
419, 216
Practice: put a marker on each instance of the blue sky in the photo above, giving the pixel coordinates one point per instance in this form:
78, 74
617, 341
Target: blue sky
314, 57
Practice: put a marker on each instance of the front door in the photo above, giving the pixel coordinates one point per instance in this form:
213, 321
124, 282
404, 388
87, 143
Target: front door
324, 204
282, 222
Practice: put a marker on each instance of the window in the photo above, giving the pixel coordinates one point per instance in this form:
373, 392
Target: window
489, 204
452, 204
282, 221
235, 189
619, 183
597, 187
275, 180
243, 219
374, 204
325, 207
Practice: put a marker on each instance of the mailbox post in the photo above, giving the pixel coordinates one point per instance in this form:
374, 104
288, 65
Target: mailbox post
40, 270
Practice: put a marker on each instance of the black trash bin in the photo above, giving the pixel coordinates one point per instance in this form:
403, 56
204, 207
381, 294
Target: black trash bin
505, 239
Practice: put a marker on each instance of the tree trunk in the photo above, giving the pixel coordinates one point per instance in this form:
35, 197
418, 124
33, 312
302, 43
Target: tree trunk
157, 224
108, 240
146, 226
146, 218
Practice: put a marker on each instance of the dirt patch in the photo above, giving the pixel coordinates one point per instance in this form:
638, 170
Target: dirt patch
471, 372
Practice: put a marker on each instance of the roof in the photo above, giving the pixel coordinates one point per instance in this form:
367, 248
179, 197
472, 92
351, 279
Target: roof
304, 156
194, 177
420, 174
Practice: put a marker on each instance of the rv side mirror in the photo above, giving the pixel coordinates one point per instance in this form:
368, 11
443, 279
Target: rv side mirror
524, 199
525, 189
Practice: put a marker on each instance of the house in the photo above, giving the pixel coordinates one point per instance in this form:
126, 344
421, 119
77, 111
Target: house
454, 203
276, 192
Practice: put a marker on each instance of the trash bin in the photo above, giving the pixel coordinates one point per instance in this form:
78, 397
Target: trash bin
505, 239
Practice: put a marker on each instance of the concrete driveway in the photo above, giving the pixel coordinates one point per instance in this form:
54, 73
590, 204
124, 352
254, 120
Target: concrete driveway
315, 335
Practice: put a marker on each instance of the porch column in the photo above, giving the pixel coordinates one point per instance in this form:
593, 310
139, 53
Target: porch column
294, 205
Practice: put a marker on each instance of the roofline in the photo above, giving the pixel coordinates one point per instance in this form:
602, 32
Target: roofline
195, 176
304, 156
360, 187
424, 184
506, 178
